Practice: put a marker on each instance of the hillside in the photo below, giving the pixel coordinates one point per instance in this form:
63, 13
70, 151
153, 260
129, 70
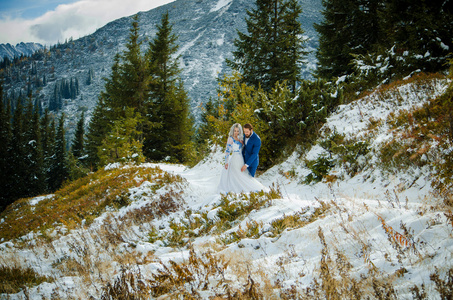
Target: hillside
368, 228
206, 31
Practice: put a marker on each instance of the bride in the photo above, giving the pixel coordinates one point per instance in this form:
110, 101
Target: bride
232, 179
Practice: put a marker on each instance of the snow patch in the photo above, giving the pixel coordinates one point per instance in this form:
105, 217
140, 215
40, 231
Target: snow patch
36, 200
221, 4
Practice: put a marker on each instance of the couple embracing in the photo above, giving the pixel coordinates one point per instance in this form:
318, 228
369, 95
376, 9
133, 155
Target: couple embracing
241, 161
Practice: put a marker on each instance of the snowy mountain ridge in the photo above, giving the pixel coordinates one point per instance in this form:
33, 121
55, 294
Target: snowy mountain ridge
374, 233
25, 49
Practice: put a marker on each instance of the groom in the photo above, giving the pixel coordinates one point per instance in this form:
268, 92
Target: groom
251, 149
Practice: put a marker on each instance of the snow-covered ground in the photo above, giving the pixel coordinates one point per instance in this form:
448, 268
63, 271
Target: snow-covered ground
380, 225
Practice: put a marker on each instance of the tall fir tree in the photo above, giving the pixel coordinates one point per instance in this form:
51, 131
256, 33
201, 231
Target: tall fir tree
107, 110
98, 128
169, 104
18, 155
33, 149
272, 49
334, 50
59, 168
126, 87
349, 27
48, 145
5, 161
421, 29
133, 72
294, 45
78, 144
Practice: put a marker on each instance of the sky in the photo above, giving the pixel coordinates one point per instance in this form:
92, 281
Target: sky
51, 21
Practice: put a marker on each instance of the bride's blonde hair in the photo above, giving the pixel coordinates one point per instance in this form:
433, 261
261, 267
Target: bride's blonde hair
241, 132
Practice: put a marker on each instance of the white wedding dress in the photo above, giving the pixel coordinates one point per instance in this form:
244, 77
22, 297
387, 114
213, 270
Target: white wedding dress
233, 179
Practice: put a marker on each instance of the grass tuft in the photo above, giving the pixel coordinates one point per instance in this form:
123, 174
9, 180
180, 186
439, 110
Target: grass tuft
15, 279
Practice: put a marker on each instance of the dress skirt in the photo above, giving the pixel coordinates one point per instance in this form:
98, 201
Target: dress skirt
236, 181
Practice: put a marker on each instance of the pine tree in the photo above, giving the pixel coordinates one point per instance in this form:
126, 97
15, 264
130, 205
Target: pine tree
78, 149
168, 105
293, 47
5, 162
133, 71
48, 146
107, 110
422, 28
126, 87
334, 50
122, 143
34, 158
18, 155
99, 126
59, 168
349, 27
90, 76
272, 49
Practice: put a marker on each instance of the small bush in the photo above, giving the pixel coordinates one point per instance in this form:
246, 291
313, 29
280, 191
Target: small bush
319, 169
232, 209
128, 286
443, 286
202, 276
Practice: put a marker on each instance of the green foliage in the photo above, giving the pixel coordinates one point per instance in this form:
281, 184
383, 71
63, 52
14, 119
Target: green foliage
277, 117
87, 198
122, 143
33, 160
348, 27
5, 142
319, 168
299, 219
346, 151
77, 161
349, 153
252, 231
234, 210
15, 279
76, 168
59, 169
78, 144
272, 49
375, 41
99, 126
418, 30
150, 85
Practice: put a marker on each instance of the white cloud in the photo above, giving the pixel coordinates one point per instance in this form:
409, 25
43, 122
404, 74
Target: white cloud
71, 20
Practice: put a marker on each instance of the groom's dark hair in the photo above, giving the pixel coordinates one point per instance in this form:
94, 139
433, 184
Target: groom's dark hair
248, 126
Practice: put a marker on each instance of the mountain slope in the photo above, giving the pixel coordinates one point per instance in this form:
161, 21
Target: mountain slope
206, 31
371, 233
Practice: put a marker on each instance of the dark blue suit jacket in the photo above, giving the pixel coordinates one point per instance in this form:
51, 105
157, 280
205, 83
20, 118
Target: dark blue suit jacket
250, 153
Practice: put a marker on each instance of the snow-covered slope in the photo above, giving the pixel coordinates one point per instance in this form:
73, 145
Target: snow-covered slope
372, 233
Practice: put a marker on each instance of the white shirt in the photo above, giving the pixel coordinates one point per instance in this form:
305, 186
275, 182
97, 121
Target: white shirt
246, 140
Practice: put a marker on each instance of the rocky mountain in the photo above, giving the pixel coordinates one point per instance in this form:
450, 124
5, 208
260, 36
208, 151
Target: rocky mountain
206, 31
11, 51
